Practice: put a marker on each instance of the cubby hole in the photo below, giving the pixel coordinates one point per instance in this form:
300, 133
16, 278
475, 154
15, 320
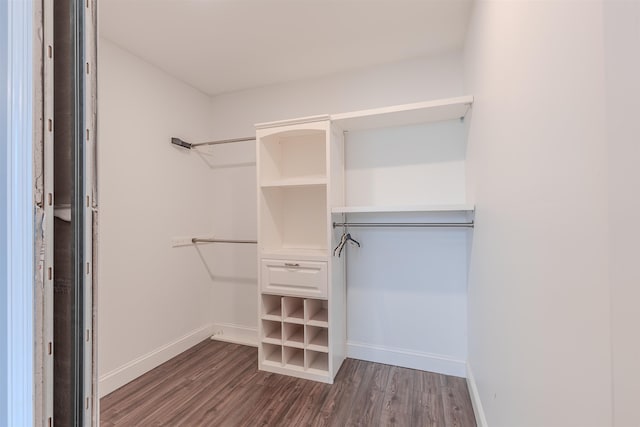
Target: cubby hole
317, 338
317, 361
293, 357
317, 313
293, 335
272, 354
271, 332
271, 309
294, 218
293, 310
293, 154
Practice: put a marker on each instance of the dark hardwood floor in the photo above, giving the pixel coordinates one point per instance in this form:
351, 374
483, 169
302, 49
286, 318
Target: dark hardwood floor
218, 384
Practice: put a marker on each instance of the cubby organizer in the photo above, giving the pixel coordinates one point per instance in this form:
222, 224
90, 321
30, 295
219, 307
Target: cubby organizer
295, 162
299, 338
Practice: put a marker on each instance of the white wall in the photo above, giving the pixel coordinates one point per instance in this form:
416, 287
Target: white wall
17, 214
5, 179
154, 300
539, 315
622, 60
390, 293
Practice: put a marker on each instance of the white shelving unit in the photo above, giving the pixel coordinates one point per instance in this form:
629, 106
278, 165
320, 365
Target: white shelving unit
302, 315
302, 174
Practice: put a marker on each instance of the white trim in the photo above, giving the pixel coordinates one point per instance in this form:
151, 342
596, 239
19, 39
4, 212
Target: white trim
48, 237
236, 334
20, 274
135, 368
407, 358
478, 411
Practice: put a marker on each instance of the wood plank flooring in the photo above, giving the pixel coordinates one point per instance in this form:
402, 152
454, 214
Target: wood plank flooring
218, 384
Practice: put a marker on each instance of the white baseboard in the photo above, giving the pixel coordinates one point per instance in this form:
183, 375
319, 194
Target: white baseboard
481, 420
129, 371
236, 334
406, 358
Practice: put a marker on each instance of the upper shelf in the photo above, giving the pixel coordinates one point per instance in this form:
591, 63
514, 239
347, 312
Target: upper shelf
410, 208
402, 115
295, 182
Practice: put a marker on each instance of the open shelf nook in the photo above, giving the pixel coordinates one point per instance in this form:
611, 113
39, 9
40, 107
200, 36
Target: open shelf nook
271, 307
271, 354
318, 313
293, 154
271, 332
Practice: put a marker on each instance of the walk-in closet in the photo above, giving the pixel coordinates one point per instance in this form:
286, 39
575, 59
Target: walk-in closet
332, 213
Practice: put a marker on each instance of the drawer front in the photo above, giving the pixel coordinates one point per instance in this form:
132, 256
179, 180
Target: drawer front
296, 278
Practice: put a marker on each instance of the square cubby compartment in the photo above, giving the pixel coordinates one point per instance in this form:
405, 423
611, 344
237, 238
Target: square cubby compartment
317, 313
293, 219
293, 357
317, 361
271, 307
272, 354
272, 332
293, 335
293, 310
317, 339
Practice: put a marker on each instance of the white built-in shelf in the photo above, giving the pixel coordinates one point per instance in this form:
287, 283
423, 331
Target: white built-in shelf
402, 115
295, 182
408, 208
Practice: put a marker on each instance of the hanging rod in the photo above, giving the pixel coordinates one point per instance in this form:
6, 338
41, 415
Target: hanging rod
405, 224
189, 146
212, 240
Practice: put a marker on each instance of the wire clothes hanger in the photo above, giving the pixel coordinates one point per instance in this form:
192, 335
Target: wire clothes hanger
346, 238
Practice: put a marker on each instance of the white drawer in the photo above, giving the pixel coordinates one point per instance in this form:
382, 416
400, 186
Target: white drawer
296, 278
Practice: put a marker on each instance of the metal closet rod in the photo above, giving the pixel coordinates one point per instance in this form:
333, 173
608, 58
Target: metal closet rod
405, 224
212, 240
189, 145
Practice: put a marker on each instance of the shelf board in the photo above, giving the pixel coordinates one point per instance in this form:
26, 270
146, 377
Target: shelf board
305, 181
274, 337
270, 340
402, 115
295, 340
275, 314
407, 208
